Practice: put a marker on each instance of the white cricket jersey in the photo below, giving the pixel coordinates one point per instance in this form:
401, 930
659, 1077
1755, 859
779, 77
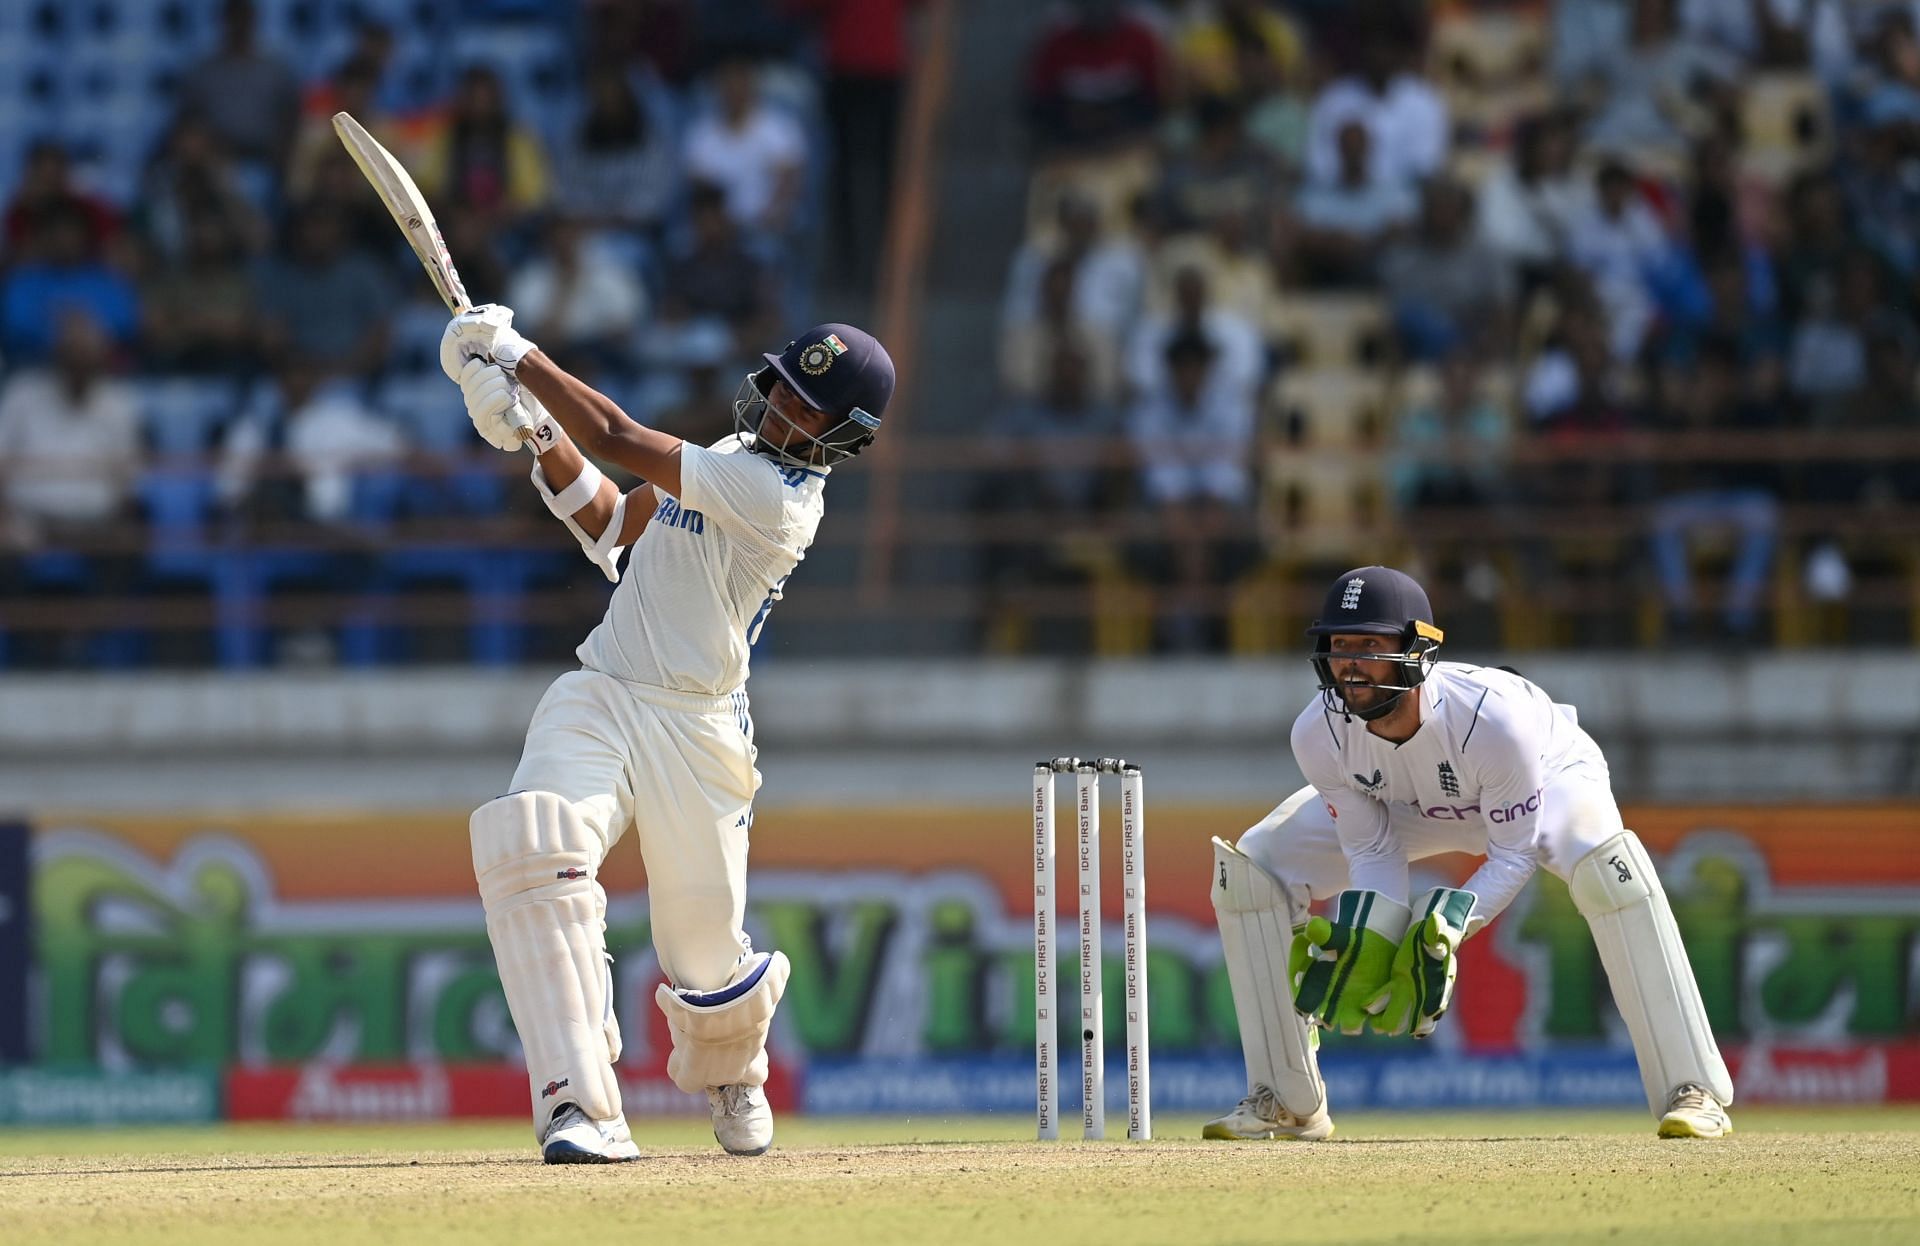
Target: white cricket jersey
706, 571
1489, 746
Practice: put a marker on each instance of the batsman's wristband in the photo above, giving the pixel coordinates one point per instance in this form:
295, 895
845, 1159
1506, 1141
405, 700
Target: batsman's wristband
570, 500
543, 435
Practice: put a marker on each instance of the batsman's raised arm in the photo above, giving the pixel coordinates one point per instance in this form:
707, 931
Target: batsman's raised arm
595, 422
603, 519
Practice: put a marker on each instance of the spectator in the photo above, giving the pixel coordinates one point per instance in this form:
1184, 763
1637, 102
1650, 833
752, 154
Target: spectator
250, 98
1828, 358
1220, 173
1890, 93
1696, 497
1741, 316
1588, 38
69, 442
1404, 118
392, 94
577, 296
321, 301
355, 89
198, 309
1237, 362
1660, 89
1528, 206
1884, 204
1448, 290
1238, 50
64, 275
483, 157
1096, 80
752, 150
1772, 34
70, 454
1726, 209
1109, 274
1030, 349
1192, 436
47, 190
329, 438
366, 227
1816, 240
718, 279
1618, 244
1575, 397
192, 177
1043, 460
1343, 223
695, 403
1450, 452
865, 47
621, 170
1234, 259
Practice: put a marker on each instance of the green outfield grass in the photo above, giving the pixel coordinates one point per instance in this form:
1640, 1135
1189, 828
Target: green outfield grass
1789, 1176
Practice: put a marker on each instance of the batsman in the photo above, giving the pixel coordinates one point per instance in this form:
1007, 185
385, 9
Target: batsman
653, 731
1406, 757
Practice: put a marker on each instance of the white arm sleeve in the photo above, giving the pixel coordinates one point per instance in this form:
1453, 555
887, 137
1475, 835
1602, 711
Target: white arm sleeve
1376, 861
602, 551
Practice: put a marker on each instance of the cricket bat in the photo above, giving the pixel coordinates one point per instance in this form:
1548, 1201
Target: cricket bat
408, 207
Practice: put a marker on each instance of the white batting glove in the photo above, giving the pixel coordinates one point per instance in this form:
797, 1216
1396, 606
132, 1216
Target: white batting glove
497, 405
486, 332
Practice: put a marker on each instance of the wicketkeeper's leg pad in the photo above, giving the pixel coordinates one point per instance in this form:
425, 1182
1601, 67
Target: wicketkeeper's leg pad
1256, 930
720, 1037
1616, 890
536, 859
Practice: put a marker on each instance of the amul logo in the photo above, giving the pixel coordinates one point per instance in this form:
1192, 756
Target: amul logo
1350, 599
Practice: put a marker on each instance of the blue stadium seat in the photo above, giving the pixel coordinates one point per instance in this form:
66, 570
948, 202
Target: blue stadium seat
428, 407
182, 413
413, 337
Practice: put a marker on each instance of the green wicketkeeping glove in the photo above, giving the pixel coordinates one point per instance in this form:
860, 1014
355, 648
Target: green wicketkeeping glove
1421, 983
1339, 964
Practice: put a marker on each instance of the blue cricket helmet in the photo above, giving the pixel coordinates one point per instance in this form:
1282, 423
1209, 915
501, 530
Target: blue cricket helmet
831, 367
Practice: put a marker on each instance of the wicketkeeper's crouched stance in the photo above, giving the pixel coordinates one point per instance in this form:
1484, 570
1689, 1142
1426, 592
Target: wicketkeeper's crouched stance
1408, 757
653, 730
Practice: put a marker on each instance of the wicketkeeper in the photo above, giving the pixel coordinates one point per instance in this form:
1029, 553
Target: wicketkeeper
1407, 757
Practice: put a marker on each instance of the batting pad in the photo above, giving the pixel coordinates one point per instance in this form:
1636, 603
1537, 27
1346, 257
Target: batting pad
1618, 893
535, 859
1256, 929
720, 1037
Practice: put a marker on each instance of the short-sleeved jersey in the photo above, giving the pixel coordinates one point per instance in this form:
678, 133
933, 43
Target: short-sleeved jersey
1488, 748
706, 571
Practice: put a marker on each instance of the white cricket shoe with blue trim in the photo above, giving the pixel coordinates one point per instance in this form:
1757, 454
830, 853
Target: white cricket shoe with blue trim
742, 1119
576, 1138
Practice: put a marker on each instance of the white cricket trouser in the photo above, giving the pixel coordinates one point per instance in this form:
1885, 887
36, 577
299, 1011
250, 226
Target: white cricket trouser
1300, 843
678, 768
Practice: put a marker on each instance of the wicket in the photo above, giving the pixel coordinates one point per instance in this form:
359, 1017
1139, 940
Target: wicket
1133, 875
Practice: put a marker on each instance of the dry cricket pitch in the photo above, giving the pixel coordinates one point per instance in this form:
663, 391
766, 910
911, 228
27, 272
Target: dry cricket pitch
1788, 1176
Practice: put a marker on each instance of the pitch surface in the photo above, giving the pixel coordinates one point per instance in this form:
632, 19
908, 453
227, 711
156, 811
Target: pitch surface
1789, 1176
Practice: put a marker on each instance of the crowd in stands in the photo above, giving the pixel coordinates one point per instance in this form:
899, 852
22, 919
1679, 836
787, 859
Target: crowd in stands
209, 325
1600, 304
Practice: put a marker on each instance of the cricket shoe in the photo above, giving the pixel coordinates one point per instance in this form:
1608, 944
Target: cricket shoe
742, 1119
1260, 1118
1693, 1113
576, 1138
